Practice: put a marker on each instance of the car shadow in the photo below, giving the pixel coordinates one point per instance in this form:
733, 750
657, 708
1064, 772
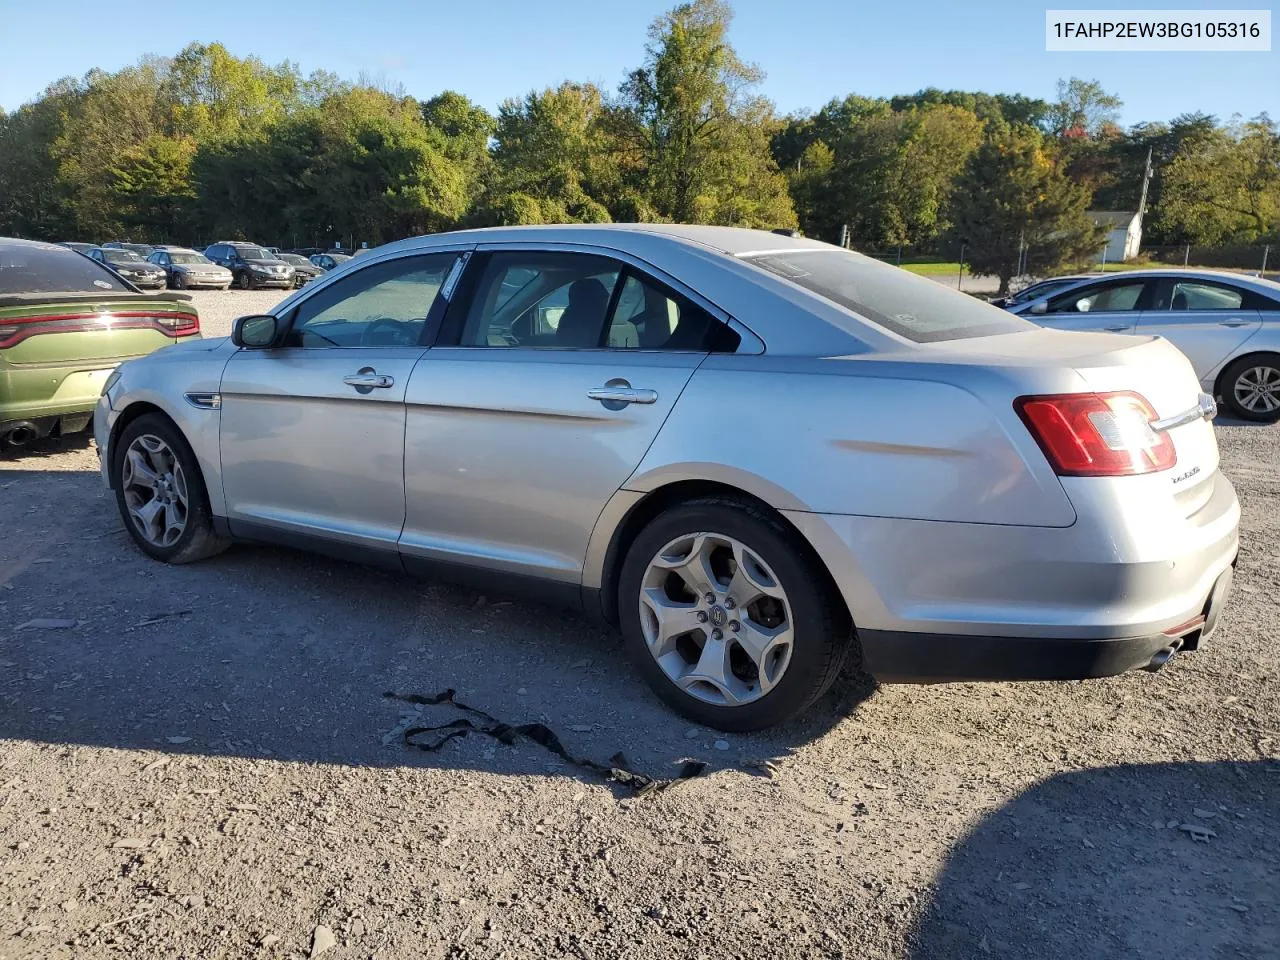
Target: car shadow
45, 448
270, 653
1169, 860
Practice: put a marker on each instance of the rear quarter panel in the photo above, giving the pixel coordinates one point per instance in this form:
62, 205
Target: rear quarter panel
860, 436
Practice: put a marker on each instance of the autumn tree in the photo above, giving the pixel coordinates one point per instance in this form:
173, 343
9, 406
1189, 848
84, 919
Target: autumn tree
1014, 192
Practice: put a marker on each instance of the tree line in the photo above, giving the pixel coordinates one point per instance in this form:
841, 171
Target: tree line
205, 145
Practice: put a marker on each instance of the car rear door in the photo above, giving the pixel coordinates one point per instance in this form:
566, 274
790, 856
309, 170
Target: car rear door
1108, 306
312, 429
1208, 320
555, 371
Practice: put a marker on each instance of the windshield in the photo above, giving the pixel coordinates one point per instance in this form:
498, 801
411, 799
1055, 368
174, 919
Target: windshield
255, 253
913, 307
189, 258
296, 260
338, 257
45, 268
116, 255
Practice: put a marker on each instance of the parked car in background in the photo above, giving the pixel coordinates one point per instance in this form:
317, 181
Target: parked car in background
558, 407
186, 269
251, 266
77, 246
143, 250
304, 271
129, 265
1227, 324
1034, 291
327, 261
65, 323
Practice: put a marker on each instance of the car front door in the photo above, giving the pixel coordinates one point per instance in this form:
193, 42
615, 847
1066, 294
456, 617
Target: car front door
312, 428
1108, 306
1207, 320
553, 374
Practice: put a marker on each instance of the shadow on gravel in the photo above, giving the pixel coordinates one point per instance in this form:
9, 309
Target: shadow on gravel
46, 448
1163, 861
269, 653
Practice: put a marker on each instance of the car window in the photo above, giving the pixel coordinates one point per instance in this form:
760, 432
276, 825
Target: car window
383, 305
47, 268
1122, 296
541, 299
1186, 295
913, 307
649, 317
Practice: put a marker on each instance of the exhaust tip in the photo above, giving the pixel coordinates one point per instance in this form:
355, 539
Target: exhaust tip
1162, 657
21, 435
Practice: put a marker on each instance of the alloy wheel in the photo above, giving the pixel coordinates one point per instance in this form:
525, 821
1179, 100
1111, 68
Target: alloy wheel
155, 490
1258, 389
716, 619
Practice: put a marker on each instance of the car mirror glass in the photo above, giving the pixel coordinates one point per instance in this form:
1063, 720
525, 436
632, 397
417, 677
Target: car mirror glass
255, 332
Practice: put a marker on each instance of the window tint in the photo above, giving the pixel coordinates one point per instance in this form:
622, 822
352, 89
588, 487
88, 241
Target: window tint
384, 305
1202, 296
1123, 296
910, 306
540, 299
647, 317
47, 268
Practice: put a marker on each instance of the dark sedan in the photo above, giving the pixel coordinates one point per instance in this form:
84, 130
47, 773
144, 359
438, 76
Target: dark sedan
304, 271
327, 261
77, 245
130, 266
143, 250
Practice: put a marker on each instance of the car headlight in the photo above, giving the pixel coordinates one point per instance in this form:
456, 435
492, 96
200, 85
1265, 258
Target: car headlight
111, 381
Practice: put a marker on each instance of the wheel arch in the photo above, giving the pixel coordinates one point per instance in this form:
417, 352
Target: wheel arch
132, 412
641, 508
1219, 383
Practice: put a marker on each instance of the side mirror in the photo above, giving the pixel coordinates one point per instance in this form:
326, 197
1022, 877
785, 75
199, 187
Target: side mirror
255, 332
1039, 307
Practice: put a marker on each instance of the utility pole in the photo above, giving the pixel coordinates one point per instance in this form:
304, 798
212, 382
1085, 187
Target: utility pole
1265, 250
960, 275
1146, 179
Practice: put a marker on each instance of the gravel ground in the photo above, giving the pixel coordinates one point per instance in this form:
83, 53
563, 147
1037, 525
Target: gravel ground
199, 762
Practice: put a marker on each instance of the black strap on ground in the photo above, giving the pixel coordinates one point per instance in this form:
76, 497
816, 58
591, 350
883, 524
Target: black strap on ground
431, 739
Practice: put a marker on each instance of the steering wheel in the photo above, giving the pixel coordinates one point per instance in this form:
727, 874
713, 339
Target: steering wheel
397, 333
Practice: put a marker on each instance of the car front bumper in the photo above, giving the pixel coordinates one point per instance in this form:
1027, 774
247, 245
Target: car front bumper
949, 601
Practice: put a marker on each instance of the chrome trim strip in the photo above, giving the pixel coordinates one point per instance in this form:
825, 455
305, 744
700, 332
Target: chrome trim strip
1206, 408
204, 401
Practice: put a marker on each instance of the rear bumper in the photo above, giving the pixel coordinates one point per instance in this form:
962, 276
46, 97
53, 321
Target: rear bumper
955, 593
892, 656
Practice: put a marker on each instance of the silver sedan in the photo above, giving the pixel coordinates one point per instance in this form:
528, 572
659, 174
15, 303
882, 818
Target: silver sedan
758, 454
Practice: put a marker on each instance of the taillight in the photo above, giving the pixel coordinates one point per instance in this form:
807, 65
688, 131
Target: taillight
14, 330
1097, 434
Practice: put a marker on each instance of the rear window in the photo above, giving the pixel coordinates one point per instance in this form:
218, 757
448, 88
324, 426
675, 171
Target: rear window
913, 307
46, 268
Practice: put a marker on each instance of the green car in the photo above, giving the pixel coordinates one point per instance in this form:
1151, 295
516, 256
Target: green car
65, 323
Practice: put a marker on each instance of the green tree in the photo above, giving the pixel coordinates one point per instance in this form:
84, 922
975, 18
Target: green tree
553, 160
209, 93
1083, 108
153, 189
1224, 187
698, 135
1014, 191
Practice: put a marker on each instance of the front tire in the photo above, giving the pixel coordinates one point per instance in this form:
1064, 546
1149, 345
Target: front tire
1251, 388
160, 492
729, 617
243, 282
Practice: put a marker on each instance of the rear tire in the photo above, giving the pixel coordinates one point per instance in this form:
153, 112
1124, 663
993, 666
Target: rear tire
169, 519
741, 662
1251, 388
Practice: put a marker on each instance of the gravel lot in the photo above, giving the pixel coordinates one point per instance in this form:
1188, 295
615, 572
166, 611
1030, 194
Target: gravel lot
199, 762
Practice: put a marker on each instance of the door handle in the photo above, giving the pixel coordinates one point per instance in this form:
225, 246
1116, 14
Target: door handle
622, 395
368, 380
1116, 328
1233, 323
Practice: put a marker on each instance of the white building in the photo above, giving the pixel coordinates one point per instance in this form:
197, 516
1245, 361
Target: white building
1124, 234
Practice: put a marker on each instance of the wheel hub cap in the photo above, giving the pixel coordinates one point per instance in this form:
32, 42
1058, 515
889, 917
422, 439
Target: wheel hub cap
155, 490
716, 619
1258, 389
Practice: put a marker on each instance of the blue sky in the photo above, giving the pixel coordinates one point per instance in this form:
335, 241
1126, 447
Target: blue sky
811, 50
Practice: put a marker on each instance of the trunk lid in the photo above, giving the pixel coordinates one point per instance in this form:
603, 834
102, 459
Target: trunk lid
72, 328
